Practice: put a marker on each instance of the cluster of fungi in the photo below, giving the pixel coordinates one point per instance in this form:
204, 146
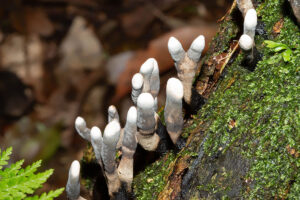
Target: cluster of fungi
142, 121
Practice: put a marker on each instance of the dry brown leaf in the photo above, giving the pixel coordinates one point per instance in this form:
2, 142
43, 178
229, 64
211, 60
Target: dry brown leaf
278, 26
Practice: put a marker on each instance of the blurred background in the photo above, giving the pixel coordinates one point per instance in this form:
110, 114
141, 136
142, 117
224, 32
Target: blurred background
64, 58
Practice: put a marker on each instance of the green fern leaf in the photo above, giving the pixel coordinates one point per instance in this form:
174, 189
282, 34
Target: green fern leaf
12, 170
47, 196
16, 182
4, 157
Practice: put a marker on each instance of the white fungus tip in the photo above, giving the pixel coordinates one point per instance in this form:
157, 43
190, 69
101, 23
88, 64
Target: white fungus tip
137, 81
80, 123
250, 20
147, 67
198, 44
174, 89
145, 101
155, 64
112, 109
132, 115
96, 133
174, 45
246, 42
75, 170
112, 133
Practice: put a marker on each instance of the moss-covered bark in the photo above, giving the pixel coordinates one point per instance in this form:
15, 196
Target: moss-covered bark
244, 142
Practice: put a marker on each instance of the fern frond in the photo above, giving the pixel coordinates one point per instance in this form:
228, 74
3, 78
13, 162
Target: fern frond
24, 183
17, 183
4, 156
12, 170
47, 196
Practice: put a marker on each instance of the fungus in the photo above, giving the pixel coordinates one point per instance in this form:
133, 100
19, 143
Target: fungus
154, 79
137, 86
246, 42
186, 63
146, 122
295, 4
82, 130
113, 114
146, 70
244, 6
250, 22
97, 143
173, 108
73, 184
125, 169
108, 152
197, 46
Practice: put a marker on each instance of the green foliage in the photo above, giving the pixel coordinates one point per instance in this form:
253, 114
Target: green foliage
17, 182
284, 51
149, 183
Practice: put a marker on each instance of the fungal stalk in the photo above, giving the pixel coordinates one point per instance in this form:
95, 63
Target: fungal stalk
154, 79
173, 108
146, 122
146, 70
295, 4
97, 143
73, 184
108, 152
82, 130
113, 114
244, 6
246, 41
137, 82
186, 63
125, 169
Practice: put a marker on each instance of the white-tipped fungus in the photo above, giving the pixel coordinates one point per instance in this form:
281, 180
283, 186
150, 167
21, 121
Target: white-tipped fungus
129, 144
73, 184
250, 23
246, 42
196, 48
173, 108
146, 70
244, 6
176, 50
97, 142
82, 130
186, 63
137, 82
154, 79
146, 122
108, 152
113, 114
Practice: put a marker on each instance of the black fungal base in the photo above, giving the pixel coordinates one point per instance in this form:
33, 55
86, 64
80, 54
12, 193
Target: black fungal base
165, 142
251, 59
122, 194
197, 101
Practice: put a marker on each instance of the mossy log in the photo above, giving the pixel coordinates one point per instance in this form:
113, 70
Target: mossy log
244, 143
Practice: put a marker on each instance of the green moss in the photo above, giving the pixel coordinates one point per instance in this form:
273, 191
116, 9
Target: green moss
227, 31
255, 115
149, 183
260, 112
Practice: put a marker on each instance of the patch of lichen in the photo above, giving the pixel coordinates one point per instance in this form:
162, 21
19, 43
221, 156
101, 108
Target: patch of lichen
260, 113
